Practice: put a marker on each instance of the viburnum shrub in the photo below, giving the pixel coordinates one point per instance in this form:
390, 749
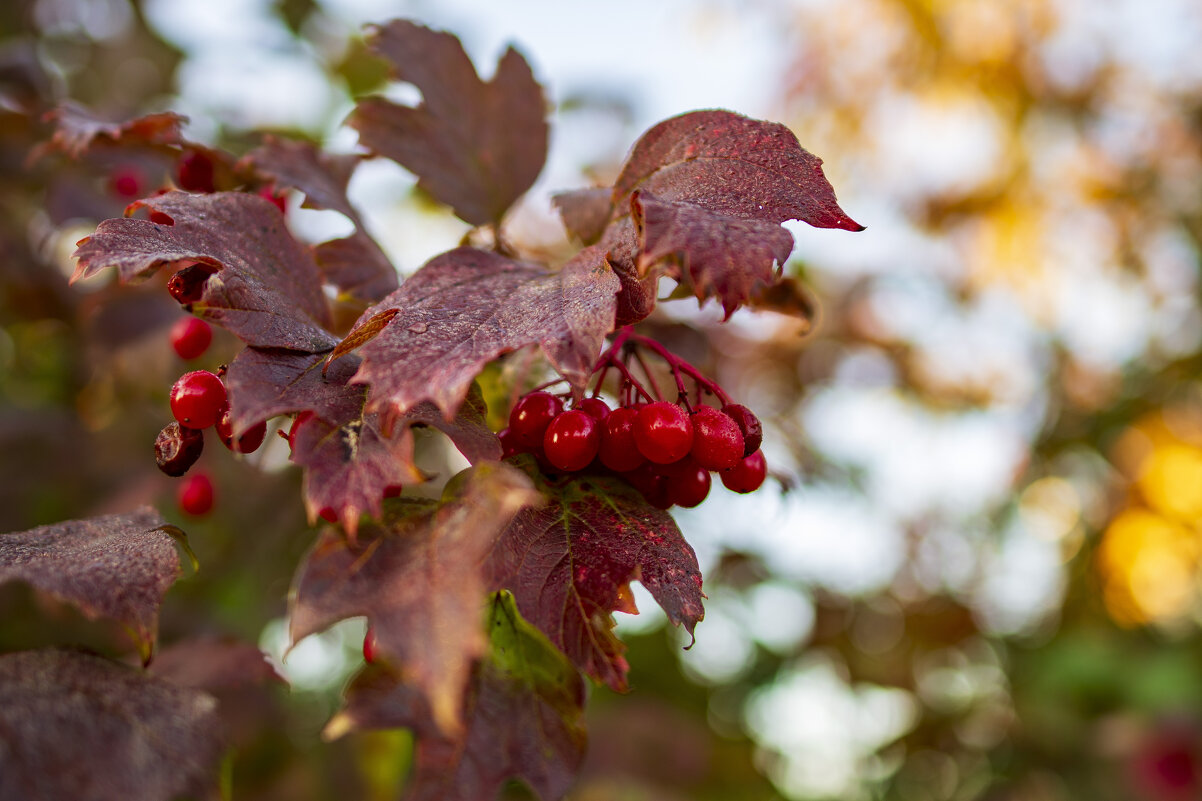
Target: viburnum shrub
490, 605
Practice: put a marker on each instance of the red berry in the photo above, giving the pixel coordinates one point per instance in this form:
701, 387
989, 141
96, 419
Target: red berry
717, 441
393, 490
596, 407
618, 450
509, 444
250, 439
749, 426
688, 487
195, 172
177, 448
663, 432
328, 514
369, 646
127, 182
191, 336
197, 399
748, 475
571, 440
652, 484
188, 283
196, 494
530, 417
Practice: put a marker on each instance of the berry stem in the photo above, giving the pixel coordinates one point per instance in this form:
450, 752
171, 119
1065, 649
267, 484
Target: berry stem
647, 372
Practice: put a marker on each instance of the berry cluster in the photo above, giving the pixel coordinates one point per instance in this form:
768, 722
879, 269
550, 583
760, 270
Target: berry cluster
666, 450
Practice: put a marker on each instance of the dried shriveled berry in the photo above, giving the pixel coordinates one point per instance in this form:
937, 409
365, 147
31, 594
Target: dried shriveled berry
177, 448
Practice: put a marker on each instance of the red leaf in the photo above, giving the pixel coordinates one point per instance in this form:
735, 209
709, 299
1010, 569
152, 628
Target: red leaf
523, 714
417, 579
567, 562
263, 383
117, 567
466, 307
214, 664
468, 429
708, 191
731, 164
585, 212
267, 289
350, 466
77, 129
354, 264
726, 257
76, 726
475, 146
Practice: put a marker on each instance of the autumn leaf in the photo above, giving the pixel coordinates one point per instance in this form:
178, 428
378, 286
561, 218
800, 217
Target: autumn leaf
726, 257
474, 145
416, 576
213, 664
264, 383
76, 726
351, 466
585, 212
467, 307
76, 129
117, 567
267, 288
354, 264
568, 562
523, 718
468, 429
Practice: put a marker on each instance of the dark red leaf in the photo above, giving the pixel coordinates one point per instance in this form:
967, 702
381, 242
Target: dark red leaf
468, 429
466, 307
726, 257
350, 465
77, 128
636, 299
117, 567
475, 146
263, 383
267, 289
213, 664
568, 562
417, 578
357, 266
734, 165
522, 718
75, 726
354, 264
585, 212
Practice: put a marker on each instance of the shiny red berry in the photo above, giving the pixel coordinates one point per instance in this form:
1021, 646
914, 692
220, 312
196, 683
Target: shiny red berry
596, 407
618, 450
571, 440
749, 426
717, 441
663, 432
191, 337
748, 475
196, 494
247, 442
197, 399
530, 417
688, 488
